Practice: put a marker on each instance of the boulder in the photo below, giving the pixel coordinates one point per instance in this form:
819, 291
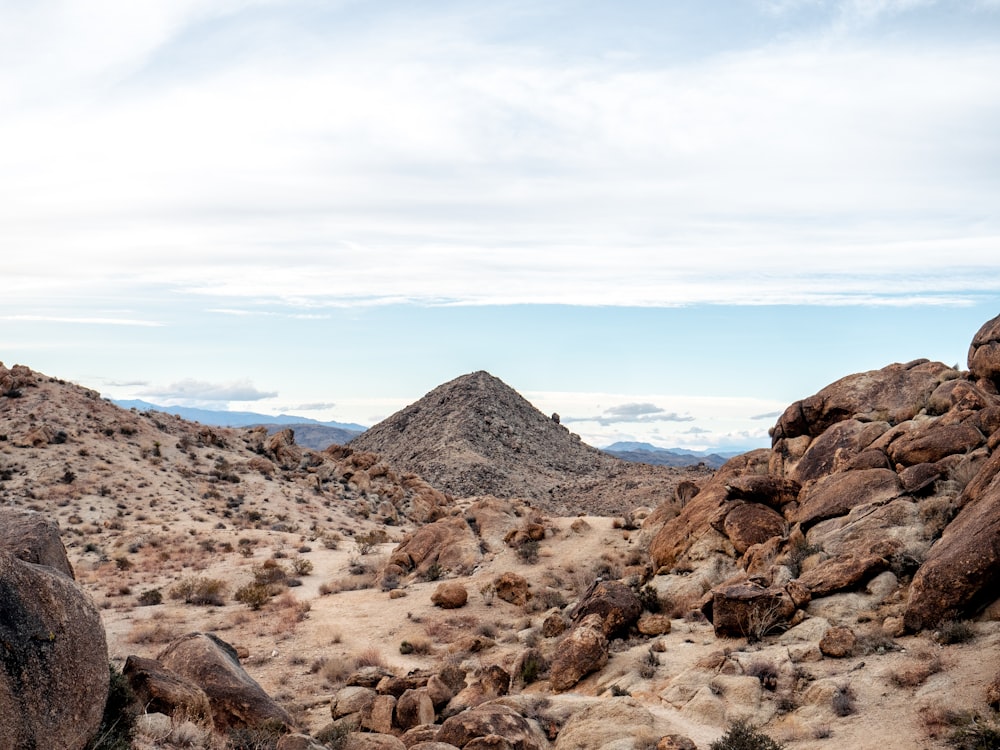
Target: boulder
553, 625
372, 741
850, 569
158, 689
934, 441
962, 570
750, 523
54, 676
653, 624
919, 477
836, 447
583, 651
33, 537
352, 699
512, 588
413, 708
614, 602
281, 446
746, 610
605, 724
836, 494
450, 595
766, 489
449, 543
491, 719
490, 683
838, 642
396, 686
993, 693
298, 742
235, 697
377, 715
984, 352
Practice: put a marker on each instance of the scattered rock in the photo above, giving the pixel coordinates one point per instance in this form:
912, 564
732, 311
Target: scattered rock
512, 588
653, 624
450, 596
615, 603
491, 719
838, 642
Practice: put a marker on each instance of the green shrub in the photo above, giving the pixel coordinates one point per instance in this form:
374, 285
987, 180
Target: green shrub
254, 595
202, 591
151, 598
649, 597
744, 736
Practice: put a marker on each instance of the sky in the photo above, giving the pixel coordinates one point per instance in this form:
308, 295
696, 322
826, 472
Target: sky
664, 220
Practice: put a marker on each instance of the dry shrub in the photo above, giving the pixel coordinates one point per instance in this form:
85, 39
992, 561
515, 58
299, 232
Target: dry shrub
420, 646
200, 591
370, 657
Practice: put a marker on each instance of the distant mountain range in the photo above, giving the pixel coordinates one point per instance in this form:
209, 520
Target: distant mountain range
650, 454
309, 433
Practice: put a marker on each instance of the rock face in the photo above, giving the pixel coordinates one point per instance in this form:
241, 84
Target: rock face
211, 663
892, 469
449, 543
477, 436
30, 536
491, 720
54, 680
160, 690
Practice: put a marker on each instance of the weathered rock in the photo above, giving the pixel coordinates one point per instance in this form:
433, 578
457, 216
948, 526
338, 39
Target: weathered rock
962, 570
377, 716
491, 719
993, 693
653, 624
984, 351
750, 523
351, 700
895, 394
33, 537
54, 676
489, 684
919, 477
414, 708
158, 689
422, 735
836, 447
838, 642
748, 610
433, 745
675, 742
396, 686
236, 698
372, 741
449, 543
933, 442
767, 489
440, 692
512, 588
604, 725
583, 651
298, 742
450, 595
849, 570
553, 625
281, 446
368, 677
615, 603
836, 494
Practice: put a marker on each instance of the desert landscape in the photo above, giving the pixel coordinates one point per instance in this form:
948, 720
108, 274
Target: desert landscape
470, 574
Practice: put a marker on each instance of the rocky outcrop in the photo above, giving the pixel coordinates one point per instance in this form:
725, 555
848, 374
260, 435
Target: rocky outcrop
54, 677
449, 543
606, 725
491, 720
984, 353
235, 697
34, 538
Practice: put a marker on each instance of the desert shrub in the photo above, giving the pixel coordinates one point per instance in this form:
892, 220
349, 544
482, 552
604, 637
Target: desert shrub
390, 581
744, 736
119, 718
150, 631
954, 631
150, 598
331, 539
531, 668
488, 591
877, 643
649, 597
123, 563
301, 566
370, 657
527, 551
434, 571
254, 738
647, 668
269, 572
843, 701
367, 542
254, 595
334, 735
764, 671
200, 591
974, 733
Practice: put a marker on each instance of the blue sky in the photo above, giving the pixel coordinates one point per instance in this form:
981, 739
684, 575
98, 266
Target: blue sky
665, 220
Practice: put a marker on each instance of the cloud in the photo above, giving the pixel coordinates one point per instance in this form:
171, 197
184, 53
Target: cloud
196, 390
767, 415
635, 413
316, 406
697, 431
82, 320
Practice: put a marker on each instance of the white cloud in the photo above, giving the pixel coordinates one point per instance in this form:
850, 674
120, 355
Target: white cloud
198, 391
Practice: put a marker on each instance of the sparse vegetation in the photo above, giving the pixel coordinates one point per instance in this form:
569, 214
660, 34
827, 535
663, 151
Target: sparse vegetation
744, 736
118, 721
951, 632
200, 591
975, 733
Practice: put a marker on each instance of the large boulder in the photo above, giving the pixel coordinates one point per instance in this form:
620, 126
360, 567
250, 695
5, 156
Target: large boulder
212, 664
512, 588
604, 726
746, 610
54, 678
962, 570
984, 352
159, 690
933, 442
748, 524
491, 719
836, 494
614, 602
33, 537
450, 595
449, 543
583, 651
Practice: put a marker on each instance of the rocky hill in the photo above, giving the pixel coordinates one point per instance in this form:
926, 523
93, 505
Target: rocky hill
476, 435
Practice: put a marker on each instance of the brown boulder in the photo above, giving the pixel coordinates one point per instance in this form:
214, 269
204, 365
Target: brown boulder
993, 693
34, 538
746, 610
767, 489
54, 673
449, 543
396, 686
750, 524
583, 651
962, 569
352, 699
512, 588
553, 625
377, 715
836, 447
413, 708
372, 741
159, 690
933, 442
653, 624
894, 394
838, 642
984, 351
281, 446
491, 719
917, 478
236, 698
675, 742
850, 569
836, 494
615, 603
450, 595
